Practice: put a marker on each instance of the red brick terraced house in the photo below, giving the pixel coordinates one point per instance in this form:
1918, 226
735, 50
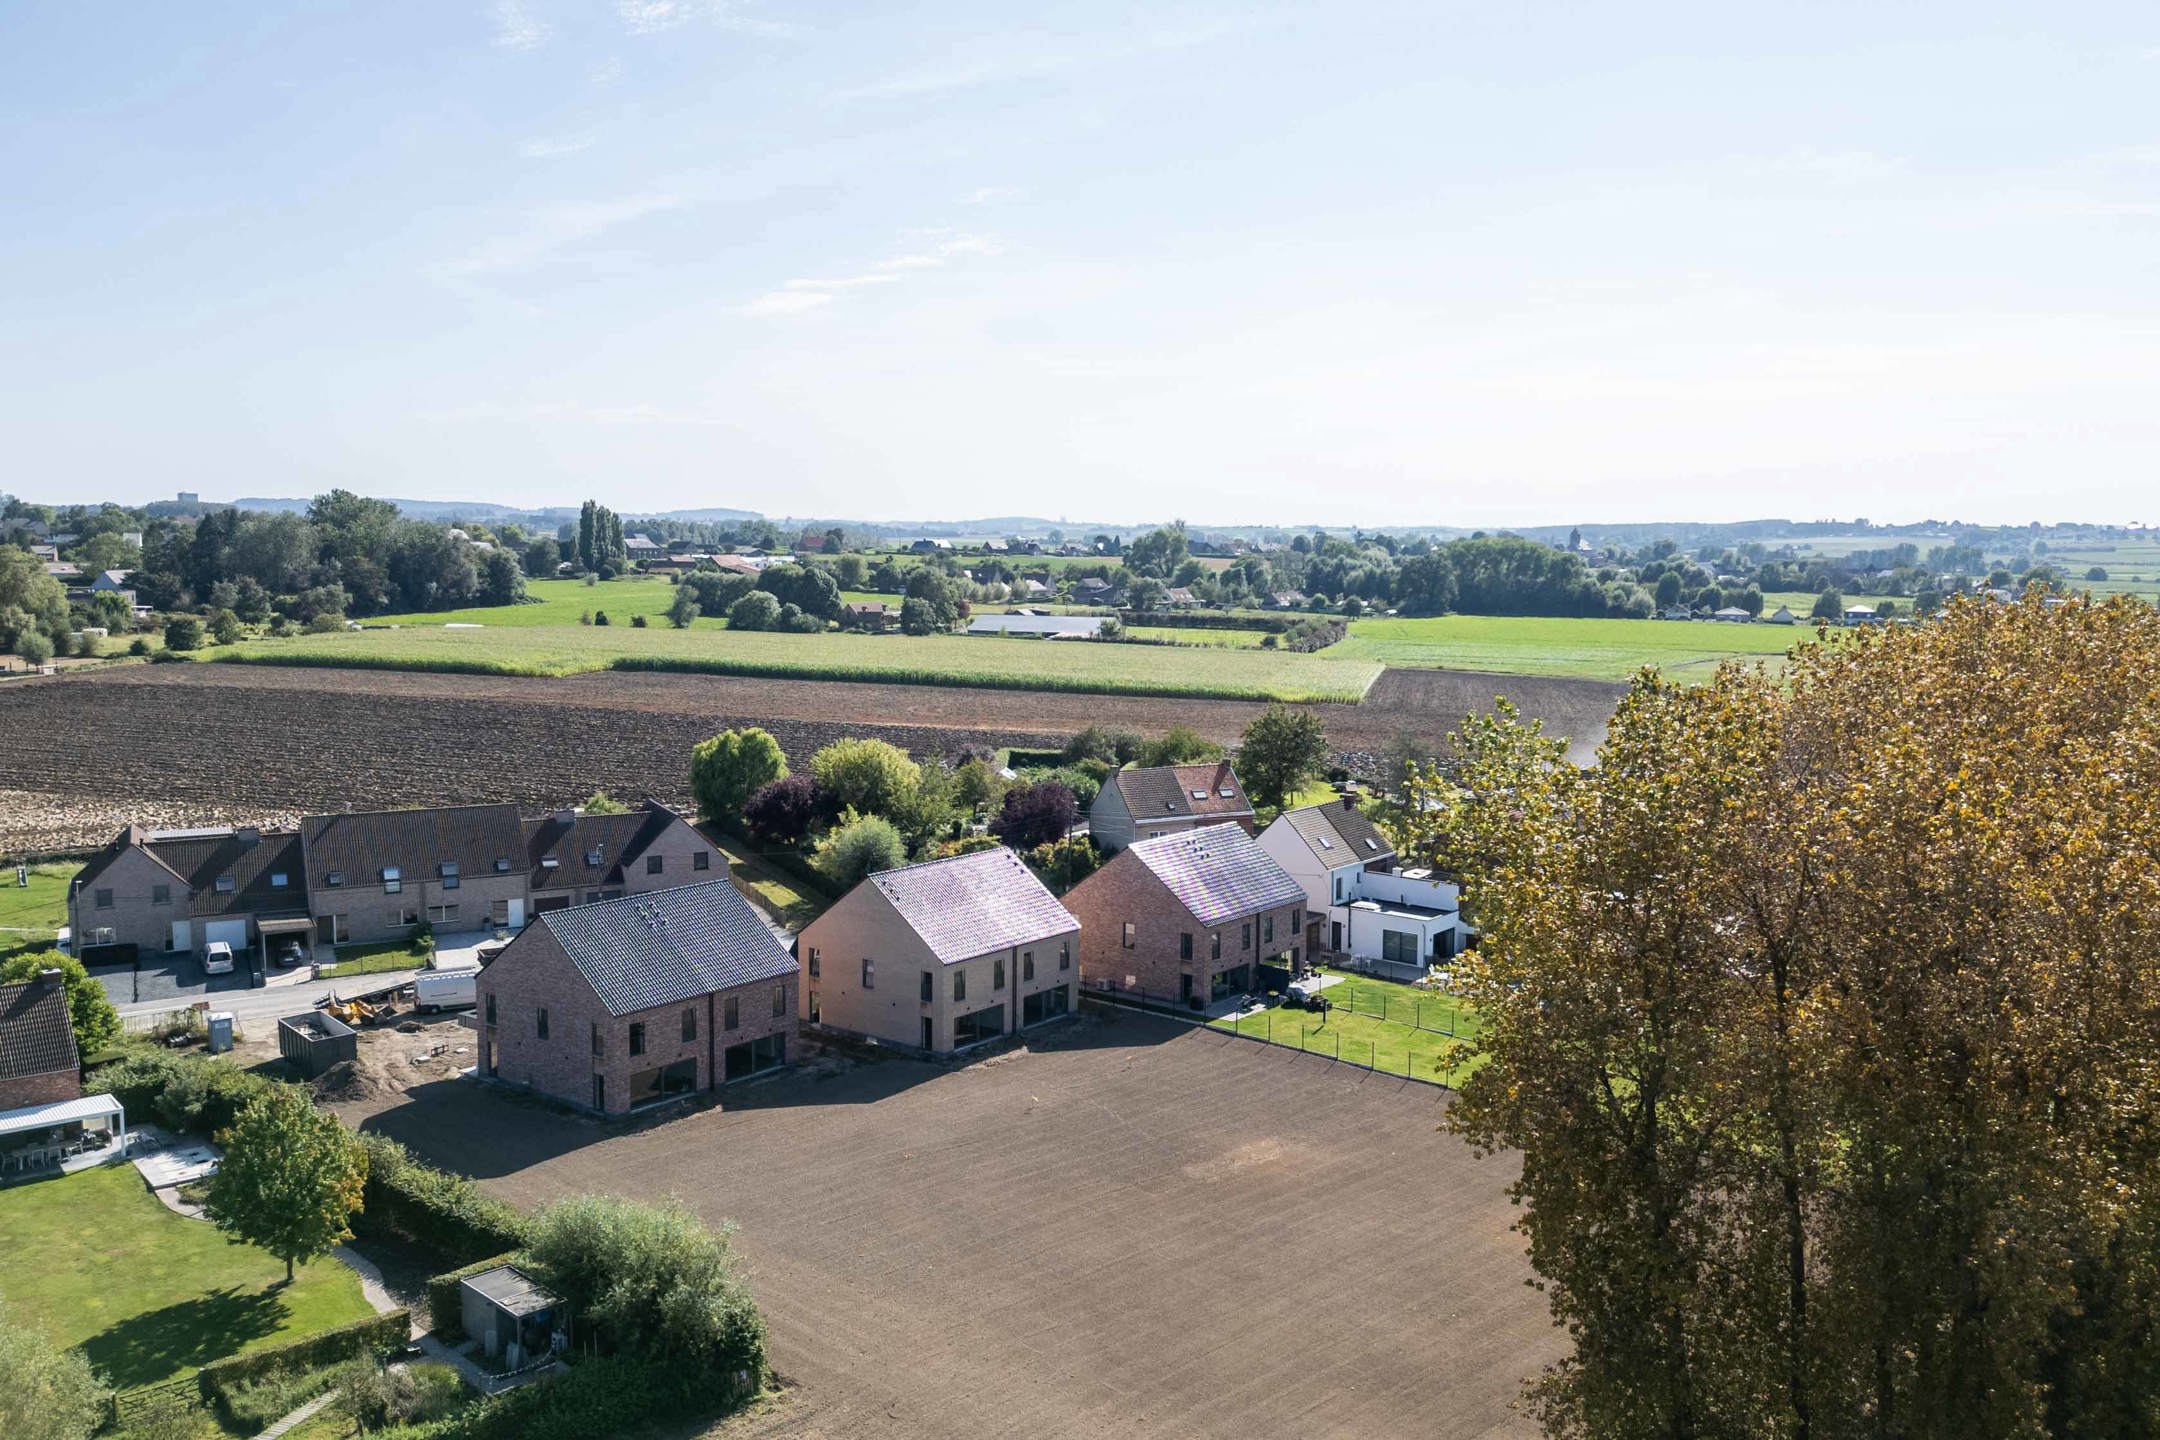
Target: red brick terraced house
1192, 917
942, 955
621, 1004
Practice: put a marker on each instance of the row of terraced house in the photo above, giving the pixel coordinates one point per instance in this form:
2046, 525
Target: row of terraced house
652, 976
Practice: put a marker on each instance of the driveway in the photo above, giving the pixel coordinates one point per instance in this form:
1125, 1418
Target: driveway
1140, 1229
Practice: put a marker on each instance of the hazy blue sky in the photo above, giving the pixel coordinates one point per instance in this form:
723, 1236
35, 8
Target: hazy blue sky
1343, 262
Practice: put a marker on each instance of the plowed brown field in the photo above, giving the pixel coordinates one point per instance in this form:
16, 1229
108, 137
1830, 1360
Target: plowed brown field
81, 753
1143, 1231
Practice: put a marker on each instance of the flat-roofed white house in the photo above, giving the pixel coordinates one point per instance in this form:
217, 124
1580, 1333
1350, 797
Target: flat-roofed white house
1362, 903
941, 955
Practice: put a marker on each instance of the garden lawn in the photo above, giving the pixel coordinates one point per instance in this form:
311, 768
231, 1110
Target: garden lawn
997, 662
786, 898
378, 958
96, 1261
1416, 1035
38, 911
1540, 645
559, 602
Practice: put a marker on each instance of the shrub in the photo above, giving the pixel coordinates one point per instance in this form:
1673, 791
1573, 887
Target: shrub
183, 633
757, 610
637, 622
859, 846
327, 623
1035, 814
182, 1092
783, 811
871, 776
138, 646
596, 1397
34, 647
599, 617
1111, 745
435, 1209
728, 769
1065, 863
652, 1280
221, 1378
1179, 745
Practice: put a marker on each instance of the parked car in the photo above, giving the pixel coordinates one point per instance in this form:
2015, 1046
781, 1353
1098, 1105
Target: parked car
217, 958
291, 953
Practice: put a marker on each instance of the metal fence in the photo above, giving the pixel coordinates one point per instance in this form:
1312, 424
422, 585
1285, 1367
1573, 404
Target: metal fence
1284, 1028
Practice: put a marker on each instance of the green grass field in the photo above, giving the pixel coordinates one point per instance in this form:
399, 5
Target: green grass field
1590, 649
1377, 1023
560, 602
94, 1260
1198, 638
931, 659
35, 912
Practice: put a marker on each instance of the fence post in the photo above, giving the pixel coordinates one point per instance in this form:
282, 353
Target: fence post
1338, 1044
1369, 1053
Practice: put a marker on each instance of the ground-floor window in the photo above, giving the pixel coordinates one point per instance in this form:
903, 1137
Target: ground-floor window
1044, 1005
754, 1055
1230, 982
813, 1007
442, 914
550, 902
979, 1026
1400, 946
650, 1086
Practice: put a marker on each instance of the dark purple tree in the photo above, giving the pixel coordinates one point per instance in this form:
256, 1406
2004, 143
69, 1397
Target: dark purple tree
783, 811
1035, 814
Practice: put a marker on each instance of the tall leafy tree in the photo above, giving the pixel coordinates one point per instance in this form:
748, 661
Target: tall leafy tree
727, 769
290, 1179
1283, 749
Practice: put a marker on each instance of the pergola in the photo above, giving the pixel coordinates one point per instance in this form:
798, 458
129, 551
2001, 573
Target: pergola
101, 1111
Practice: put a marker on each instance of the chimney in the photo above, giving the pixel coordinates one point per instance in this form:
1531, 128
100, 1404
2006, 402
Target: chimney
249, 836
47, 978
566, 817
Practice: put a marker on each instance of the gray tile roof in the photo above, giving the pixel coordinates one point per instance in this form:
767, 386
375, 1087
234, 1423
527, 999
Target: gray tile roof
644, 951
359, 846
198, 860
35, 1035
1217, 872
1338, 834
619, 839
970, 905
1157, 791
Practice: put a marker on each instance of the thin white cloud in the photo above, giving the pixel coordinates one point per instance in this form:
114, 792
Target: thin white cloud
517, 28
608, 71
933, 250
556, 148
991, 194
1839, 167
787, 302
1040, 58
650, 17
548, 232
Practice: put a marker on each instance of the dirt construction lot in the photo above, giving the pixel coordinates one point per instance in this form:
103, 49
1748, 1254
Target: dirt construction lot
207, 744
1141, 1230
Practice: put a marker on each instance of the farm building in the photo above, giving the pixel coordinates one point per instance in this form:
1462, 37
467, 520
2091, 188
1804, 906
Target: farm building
941, 955
1141, 803
1045, 627
1194, 917
625, 1003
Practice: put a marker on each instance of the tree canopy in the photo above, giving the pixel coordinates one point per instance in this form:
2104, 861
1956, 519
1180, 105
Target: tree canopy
90, 1010
1822, 1013
727, 769
290, 1179
1283, 749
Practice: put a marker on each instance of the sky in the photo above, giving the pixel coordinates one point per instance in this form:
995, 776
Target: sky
1340, 263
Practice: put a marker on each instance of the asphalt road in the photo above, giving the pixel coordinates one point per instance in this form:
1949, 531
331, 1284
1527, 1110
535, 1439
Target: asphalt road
160, 991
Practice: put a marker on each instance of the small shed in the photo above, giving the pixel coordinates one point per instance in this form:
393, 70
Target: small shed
316, 1041
513, 1318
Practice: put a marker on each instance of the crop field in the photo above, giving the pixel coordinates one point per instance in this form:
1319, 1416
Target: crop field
170, 745
1130, 1228
1589, 649
971, 660
1199, 638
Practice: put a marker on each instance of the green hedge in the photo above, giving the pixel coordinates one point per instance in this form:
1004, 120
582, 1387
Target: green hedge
434, 1209
180, 1091
446, 1309
347, 1342
596, 1397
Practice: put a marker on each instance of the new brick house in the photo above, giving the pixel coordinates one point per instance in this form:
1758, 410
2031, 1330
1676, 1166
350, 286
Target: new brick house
624, 1003
375, 875
38, 1063
942, 954
1145, 801
1193, 916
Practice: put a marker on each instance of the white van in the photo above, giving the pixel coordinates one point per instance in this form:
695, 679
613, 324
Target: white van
446, 990
217, 958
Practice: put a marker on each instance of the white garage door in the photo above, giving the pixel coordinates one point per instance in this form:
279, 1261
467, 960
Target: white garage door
232, 932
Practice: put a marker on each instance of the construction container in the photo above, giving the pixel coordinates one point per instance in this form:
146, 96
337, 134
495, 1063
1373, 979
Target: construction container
315, 1041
